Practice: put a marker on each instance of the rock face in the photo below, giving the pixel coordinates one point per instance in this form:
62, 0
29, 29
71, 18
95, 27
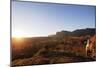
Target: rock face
78, 32
91, 48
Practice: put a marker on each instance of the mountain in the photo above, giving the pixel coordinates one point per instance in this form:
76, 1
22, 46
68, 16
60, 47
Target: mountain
78, 32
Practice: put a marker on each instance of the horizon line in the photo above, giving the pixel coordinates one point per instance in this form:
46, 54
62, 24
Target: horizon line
30, 36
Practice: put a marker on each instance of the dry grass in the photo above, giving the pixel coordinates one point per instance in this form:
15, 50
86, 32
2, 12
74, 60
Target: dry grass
48, 50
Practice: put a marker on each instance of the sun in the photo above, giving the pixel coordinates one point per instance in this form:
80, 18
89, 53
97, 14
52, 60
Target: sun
18, 34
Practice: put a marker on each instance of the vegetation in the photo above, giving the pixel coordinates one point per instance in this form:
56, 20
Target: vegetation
49, 50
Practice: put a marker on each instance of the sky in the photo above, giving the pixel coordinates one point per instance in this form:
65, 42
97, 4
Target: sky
31, 19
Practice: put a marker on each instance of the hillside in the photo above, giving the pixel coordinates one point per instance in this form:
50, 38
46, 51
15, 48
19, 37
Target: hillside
78, 32
63, 47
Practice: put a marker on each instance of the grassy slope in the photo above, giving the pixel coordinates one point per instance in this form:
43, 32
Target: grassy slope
48, 50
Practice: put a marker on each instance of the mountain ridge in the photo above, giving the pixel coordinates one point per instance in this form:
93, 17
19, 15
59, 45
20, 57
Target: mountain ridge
78, 32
